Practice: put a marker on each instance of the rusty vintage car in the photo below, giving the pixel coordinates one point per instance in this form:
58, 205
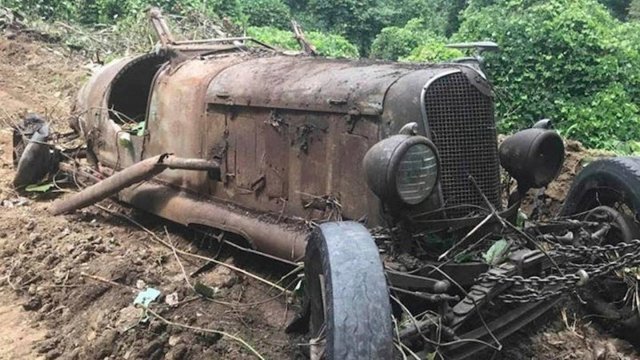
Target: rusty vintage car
383, 178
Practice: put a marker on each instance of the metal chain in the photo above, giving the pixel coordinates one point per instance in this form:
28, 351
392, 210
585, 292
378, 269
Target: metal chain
529, 289
591, 250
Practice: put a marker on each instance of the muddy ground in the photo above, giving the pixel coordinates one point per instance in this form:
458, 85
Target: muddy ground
67, 283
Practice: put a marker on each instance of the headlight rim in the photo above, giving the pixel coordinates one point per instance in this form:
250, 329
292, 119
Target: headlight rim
389, 192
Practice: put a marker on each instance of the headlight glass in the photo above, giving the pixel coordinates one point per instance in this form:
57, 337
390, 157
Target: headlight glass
417, 174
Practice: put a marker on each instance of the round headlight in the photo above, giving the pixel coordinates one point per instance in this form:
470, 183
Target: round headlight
402, 169
417, 174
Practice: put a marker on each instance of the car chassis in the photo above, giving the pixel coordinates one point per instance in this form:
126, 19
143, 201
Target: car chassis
383, 178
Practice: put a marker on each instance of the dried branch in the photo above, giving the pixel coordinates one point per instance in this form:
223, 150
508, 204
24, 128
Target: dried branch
217, 332
159, 240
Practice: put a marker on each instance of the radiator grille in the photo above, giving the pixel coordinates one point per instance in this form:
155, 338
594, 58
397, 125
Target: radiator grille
461, 124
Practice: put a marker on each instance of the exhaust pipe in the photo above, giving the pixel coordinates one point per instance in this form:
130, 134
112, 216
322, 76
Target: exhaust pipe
140, 171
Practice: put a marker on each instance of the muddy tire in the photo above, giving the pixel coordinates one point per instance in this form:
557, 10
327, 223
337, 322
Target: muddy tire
350, 311
605, 182
609, 189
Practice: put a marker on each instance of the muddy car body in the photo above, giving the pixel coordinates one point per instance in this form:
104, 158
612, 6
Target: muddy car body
291, 141
297, 153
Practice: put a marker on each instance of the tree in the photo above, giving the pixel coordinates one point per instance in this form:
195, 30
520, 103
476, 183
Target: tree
563, 60
272, 13
355, 19
634, 10
618, 8
395, 42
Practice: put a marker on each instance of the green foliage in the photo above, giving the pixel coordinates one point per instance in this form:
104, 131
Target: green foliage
618, 8
330, 45
433, 51
357, 20
272, 13
574, 61
395, 42
413, 42
634, 10
91, 12
561, 59
607, 119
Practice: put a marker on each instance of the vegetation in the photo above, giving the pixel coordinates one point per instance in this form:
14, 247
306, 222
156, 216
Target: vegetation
326, 44
577, 62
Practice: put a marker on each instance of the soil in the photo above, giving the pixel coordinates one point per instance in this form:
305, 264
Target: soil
67, 283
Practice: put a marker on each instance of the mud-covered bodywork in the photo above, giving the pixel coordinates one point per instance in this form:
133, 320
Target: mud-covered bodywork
290, 133
384, 178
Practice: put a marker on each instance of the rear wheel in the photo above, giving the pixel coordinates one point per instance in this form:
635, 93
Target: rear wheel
608, 191
350, 311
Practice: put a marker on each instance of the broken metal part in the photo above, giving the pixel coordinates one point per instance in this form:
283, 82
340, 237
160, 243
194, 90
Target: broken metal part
264, 233
499, 328
409, 281
306, 46
141, 171
428, 297
134, 174
160, 26
33, 157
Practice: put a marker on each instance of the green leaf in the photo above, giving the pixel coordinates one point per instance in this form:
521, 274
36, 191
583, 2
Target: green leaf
496, 253
463, 258
41, 188
138, 129
205, 290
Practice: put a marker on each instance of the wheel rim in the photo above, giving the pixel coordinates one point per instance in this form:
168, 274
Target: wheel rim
618, 288
316, 286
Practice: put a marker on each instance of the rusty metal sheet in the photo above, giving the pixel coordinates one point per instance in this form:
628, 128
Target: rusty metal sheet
311, 84
286, 241
177, 121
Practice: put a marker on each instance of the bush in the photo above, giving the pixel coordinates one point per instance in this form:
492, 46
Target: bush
395, 42
559, 60
91, 12
326, 44
272, 13
413, 43
433, 51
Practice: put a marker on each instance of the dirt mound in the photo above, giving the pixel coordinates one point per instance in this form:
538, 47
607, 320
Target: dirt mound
547, 202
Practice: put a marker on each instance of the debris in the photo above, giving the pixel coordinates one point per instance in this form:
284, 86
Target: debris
146, 297
128, 318
204, 290
174, 340
172, 299
140, 284
306, 46
15, 202
220, 277
41, 188
210, 331
33, 304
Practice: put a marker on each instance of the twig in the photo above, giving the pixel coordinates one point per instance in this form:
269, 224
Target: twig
217, 332
175, 253
162, 242
106, 281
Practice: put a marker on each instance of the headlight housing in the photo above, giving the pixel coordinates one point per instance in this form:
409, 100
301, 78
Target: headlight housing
402, 169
